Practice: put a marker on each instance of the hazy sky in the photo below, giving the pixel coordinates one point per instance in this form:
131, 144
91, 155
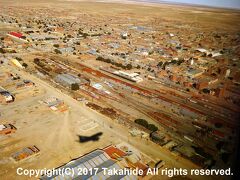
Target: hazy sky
218, 3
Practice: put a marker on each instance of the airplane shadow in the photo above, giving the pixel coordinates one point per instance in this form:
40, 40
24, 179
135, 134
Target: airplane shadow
95, 137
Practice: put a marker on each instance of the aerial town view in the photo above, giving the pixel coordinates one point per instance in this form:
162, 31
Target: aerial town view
119, 90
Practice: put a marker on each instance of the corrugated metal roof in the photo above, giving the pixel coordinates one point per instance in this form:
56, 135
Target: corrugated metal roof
96, 159
67, 78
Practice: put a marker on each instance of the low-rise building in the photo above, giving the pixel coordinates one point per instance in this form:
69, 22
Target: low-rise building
25, 153
7, 129
193, 73
67, 80
95, 160
132, 77
6, 97
25, 83
17, 37
205, 81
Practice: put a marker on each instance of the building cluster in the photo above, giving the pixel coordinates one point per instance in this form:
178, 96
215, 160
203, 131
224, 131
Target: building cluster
105, 162
168, 71
178, 57
55, 104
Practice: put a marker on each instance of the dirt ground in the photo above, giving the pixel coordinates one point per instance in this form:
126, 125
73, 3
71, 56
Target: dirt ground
56, 133
203, 16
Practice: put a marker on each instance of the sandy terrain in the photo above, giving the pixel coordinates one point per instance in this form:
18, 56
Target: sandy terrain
55, 133
216, 18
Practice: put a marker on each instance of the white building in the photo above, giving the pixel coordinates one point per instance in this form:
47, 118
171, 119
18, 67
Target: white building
132, 77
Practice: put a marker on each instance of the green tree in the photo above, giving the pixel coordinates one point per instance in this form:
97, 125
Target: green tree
142, 122
129, 66
57, 51
152, 127
36, 60
18, 58
2, 51
206, 91
75, 87
25, 65
160, 64
56, 45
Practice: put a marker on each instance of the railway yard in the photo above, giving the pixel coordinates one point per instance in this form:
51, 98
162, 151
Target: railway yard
166, 87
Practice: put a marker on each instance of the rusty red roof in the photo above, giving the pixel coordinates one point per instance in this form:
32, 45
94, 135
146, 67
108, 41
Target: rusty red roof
16, 34
114, 152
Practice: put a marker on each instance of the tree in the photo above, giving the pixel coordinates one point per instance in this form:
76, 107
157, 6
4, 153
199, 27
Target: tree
25, 65
142, 122
75, 87
36, 60
160, 64
152, 127
2, 51
194, 85
99, 58
13, 51
108, 60
218, 125
117, 64
57, 51
129, 66
179, 63
19, 59
56, 45
206, 91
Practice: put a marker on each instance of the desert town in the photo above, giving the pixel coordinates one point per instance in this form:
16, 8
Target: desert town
84, 86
